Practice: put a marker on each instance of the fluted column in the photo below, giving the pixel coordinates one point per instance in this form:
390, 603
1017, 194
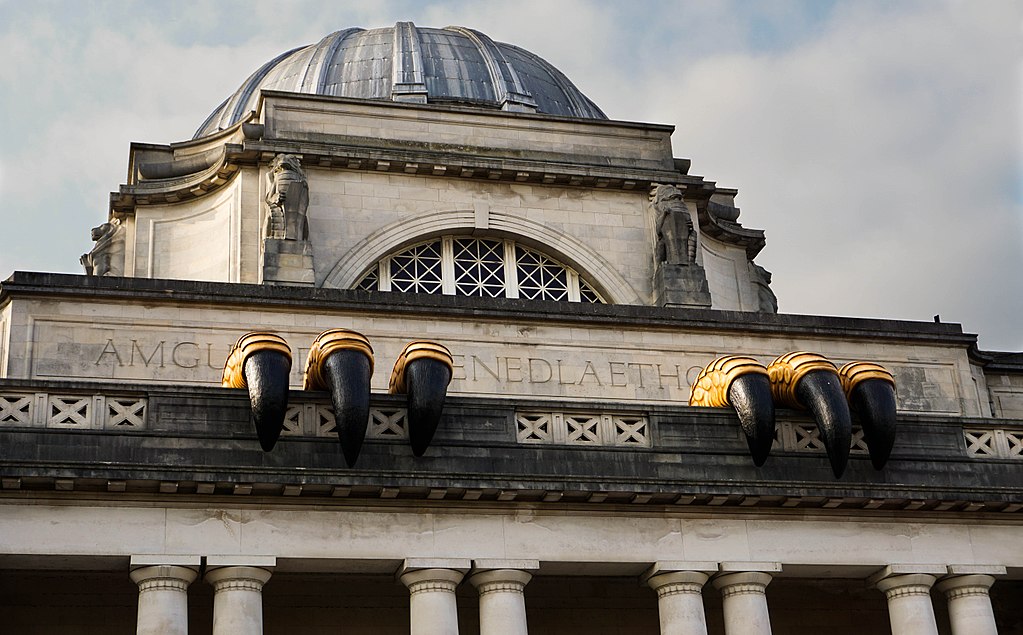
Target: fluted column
969, 604
501, 586
163, 593
431, 585
679, 587
743, 589
237, 598
908, 590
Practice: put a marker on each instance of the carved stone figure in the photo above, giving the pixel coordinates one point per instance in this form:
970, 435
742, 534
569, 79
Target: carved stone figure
287, 196
676, 236
768, 302
107, 255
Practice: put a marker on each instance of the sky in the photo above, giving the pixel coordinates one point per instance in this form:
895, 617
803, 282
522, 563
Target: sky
878, 143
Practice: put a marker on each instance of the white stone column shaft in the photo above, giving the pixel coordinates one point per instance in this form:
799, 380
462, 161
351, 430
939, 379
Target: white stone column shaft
237, 599
680, 602
432, 607
969, 604
502, 601
163, 599
744, 602
909, 603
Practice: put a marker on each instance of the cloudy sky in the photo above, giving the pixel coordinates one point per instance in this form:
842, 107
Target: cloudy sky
878, 143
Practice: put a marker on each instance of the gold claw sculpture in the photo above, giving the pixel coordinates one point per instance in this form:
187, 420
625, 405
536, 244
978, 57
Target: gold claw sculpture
341, 361
261, 362
870, 389
809, 381
742, 383
422, 371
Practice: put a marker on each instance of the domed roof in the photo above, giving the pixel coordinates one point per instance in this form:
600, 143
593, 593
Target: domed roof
407, 63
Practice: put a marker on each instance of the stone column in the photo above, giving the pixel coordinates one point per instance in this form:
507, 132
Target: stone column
163, 592
431, 584
908, 590
969, 605
501, 585
743, 587
679, 587
238, 593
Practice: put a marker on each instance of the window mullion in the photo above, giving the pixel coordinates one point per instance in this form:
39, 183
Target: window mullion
447, 265
573, 285
511, 270
384, 274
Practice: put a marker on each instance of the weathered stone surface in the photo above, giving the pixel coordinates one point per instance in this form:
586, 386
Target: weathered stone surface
681, 286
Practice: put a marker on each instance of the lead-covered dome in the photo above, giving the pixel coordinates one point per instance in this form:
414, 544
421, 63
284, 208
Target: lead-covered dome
452, 65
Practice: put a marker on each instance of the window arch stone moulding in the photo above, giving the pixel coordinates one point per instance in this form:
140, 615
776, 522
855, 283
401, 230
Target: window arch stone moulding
388, 239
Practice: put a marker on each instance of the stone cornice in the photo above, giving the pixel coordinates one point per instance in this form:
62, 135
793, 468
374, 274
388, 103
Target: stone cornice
110, 289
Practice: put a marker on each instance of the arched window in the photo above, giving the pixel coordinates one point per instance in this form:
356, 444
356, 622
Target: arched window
481, 267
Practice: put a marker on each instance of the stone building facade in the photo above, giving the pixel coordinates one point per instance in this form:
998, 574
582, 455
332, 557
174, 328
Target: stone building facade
432, 184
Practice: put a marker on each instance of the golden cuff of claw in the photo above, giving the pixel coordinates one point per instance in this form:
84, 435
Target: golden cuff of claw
854, 372
786, 371
326, 343
419, 349
711, 388
234, 368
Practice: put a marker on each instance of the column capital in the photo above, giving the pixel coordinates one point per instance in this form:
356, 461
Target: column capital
490, 564
427, 580
500, 581
743, 582
150, 560
229, 578
462, 565
163, 577
962, 585
675, 582
662, 567
891, 570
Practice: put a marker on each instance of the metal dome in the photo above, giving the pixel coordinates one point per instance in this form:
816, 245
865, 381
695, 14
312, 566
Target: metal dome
421, 65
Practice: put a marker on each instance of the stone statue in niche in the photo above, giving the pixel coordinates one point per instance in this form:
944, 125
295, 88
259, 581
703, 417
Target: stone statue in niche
107, 255
767, 301
287, 196
676, 236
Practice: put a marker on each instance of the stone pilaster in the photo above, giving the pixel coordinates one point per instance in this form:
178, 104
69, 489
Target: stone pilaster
238, 593
431, 584
679, 587
501, 586
908, 590
743, 587
163, 593
969, 604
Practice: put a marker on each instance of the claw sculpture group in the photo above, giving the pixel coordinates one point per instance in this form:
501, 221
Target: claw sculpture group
804, 381
341, 363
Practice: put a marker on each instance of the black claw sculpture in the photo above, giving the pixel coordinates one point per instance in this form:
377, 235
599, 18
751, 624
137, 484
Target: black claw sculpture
808, 381
423, 372
870, 389
261, 362
742, 383
341, 362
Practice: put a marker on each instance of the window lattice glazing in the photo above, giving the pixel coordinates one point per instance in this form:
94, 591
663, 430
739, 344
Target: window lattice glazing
417, 270
480, 267
540, 278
